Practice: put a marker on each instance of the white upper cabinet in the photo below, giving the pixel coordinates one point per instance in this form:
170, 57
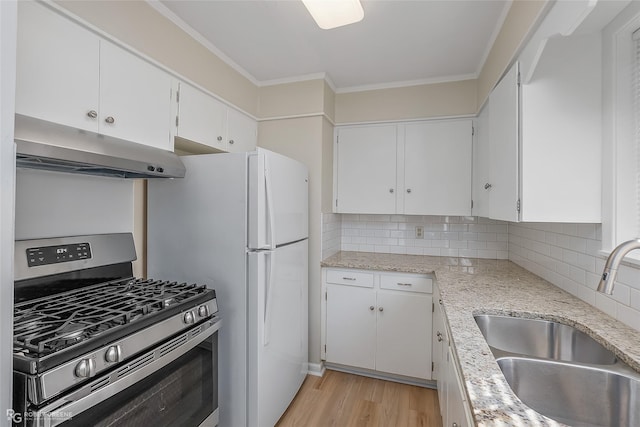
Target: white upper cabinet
242, 132
503, 148
415, 168
67, 74
481, 164
135, 98
205, 124
366, 169
58, 68
545, 138
437, 168
201, 117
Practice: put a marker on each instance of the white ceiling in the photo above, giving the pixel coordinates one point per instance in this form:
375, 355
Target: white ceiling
397, 43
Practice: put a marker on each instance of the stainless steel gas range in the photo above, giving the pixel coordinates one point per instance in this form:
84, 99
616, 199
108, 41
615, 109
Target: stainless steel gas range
94, 346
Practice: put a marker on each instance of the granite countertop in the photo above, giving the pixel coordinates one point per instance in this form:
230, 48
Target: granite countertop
471, 286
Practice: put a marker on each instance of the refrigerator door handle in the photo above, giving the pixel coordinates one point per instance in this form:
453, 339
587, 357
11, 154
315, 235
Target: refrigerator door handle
268, 298
269, 201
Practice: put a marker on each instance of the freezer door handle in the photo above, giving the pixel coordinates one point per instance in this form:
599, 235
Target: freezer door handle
268, 298
269, 199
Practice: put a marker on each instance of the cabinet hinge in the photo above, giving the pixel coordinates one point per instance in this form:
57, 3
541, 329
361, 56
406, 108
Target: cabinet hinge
325, 295
325, 348
336, 203
177, 120
518, 205
432, 366
471, 203
433, 308
518, 79
177, 96
473, 130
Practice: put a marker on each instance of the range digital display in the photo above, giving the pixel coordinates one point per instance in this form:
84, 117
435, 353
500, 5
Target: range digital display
56, 254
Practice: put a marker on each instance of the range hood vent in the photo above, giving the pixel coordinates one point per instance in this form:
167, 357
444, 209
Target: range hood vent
54, 147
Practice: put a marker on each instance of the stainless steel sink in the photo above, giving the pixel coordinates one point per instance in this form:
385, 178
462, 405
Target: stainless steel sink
541, 338
576, 395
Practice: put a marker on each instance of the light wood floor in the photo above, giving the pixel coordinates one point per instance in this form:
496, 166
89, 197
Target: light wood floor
344, 400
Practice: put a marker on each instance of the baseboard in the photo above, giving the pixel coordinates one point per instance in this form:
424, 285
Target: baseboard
316, 369
382, 375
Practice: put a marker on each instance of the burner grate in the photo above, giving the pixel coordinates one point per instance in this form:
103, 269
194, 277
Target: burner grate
53, 323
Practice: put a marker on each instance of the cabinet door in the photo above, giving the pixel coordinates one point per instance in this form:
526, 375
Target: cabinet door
437, 168
366, 170
57, 68
201, 117
481, 164
242, 132
504, 102
351, 326
135, 98
456, 413
404, 334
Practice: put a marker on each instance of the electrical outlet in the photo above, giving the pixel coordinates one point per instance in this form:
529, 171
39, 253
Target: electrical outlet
419, 232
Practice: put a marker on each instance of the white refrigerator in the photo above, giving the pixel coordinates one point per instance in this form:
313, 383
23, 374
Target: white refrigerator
238, 222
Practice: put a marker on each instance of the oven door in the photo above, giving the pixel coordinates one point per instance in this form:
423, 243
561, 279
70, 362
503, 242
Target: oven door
175, 384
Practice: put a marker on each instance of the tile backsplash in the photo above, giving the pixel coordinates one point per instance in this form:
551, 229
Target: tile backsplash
568, 255
331, 234
457, 236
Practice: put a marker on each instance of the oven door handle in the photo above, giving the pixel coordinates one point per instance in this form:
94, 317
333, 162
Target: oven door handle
83, 399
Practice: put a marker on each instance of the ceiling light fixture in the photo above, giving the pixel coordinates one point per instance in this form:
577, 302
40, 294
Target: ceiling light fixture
334, 13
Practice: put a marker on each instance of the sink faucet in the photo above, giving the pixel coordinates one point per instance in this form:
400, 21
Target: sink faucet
611, 266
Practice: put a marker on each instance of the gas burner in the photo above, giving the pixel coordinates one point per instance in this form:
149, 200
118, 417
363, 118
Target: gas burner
56, 322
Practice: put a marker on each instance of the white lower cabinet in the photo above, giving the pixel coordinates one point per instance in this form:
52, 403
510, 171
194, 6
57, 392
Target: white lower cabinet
378, 321
454, 407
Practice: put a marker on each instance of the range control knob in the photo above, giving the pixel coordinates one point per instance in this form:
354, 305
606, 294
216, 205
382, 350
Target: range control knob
189, 317
203, 311
113, 354
85, 369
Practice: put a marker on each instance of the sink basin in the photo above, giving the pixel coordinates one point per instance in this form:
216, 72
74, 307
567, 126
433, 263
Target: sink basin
541, 338
576, 395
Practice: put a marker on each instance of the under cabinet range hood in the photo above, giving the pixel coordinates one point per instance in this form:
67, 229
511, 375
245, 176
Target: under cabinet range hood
49, 146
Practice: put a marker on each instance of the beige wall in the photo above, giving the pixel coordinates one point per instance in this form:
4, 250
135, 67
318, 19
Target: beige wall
292, 99
138, 25
411, 102
523, 17
301, 139
327, 166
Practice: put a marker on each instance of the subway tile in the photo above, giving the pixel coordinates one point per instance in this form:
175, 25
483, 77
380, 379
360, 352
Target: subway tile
449, 252
622, 294
458, 244
414, 250
470, 253
588, 231
487, 254
629, 316
587, 295
381, 249
432, 251
606, 304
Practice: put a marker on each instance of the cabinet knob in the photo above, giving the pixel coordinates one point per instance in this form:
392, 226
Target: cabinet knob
391, 190
371, 307
93, 114
219, 138
454, 425
231, 141
110, 120
439, 335
409, 190
487, 186
380, 309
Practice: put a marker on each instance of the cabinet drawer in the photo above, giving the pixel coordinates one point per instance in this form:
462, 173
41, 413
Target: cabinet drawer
347, 277
400, 282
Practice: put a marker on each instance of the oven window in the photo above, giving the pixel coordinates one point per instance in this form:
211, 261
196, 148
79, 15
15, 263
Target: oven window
183, 393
